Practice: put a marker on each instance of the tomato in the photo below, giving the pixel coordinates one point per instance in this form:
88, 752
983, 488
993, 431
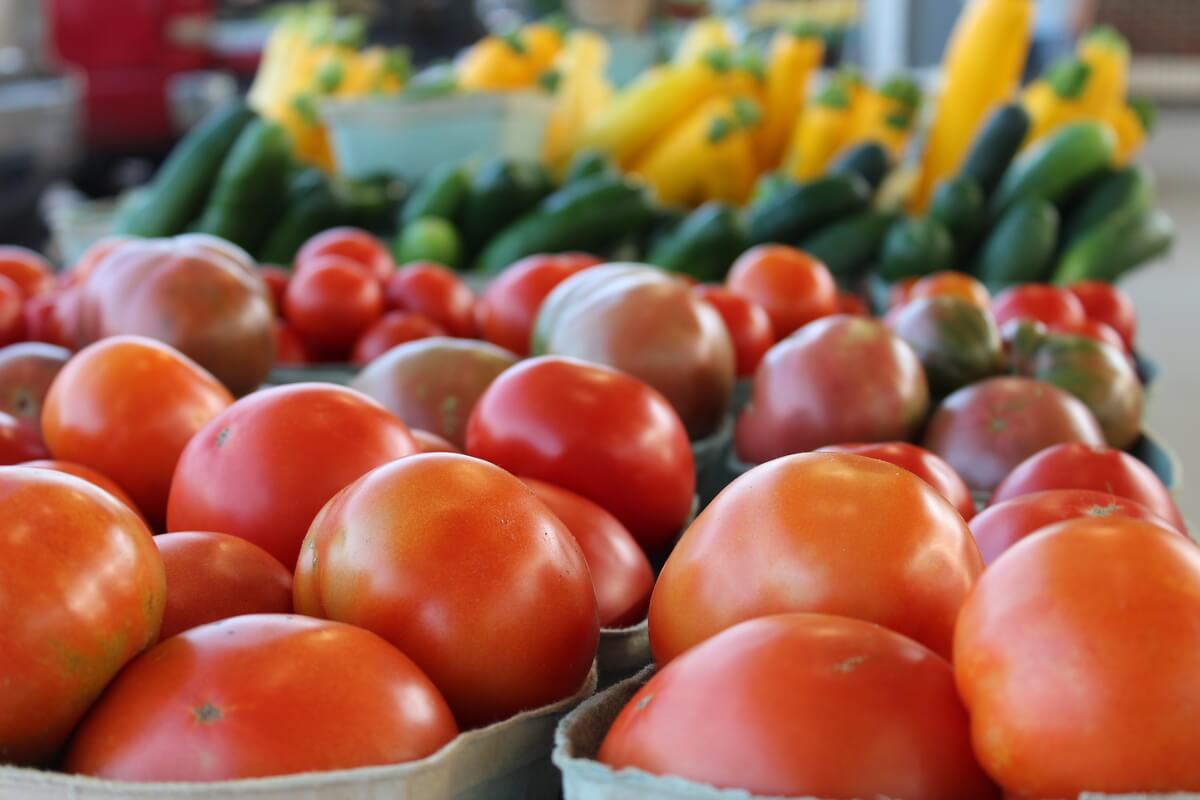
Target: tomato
393, 328
841, 379
426, 552
1094, 619
986, 429
850, 303
92, 256
351, 244
434, 383
32, 274
332, 303
595, 431
901, 291
807, 705
621, 573
226, 701
26, 372
1080, 466
506, 311
1091, 329
748, 325
12, 317
88, 474
428, 442
435, 292
956, 340
1003, 524
793, 287
82, 589
920, 462
289, 350
276, 280
1107, 304
126, 406
827, 532
49, 318
1049, 305
262, 469
19, 441
951, 284
214, 247
212, 576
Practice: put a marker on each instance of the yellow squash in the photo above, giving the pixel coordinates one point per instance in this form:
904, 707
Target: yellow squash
583, 93
1106, 53
886, 115
703, 37
1132, 123
823, 130
1057, 98
794, 56
496, 63
731, 167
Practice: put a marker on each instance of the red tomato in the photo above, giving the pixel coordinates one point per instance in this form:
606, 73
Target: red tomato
289, 350
506, 312
1002, 525
850, 303
1077, 655
1083, 466
393, 328
951, 284
82, 589
49, 318
901, 291
927, 466
277, 280
19, 441
95, 253
433, 291
212, 576
621, 573
1092, 330
593, 430
32, 274
262, 469
126, 406
1049, 305
748, 325
804, 705
12, 316
331, 303
351, 244
827, 532
26, 372
227, 701
426, 552
428, 442
1104, 302
793, 287
88, 474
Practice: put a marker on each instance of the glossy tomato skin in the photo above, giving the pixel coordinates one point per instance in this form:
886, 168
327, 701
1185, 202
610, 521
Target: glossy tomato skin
748, 325
951, 284
1106, 303
435, 292
26, 372
352, 244
81, 597
1081, 466
850, 303
288, 347
276, 280
330, 304
831, 533
226, 701
214, 576
1123, 683
621, 573
50, 318
840, 379
927, 466
506, 312
426, 551
595, 431
393, 328
88, 474
81, 270
793, 287
264, 468
19, 441
1092, 329
1049, 305
12, 316
126, 407
32, 274
428, 442
1003, 524
804, 705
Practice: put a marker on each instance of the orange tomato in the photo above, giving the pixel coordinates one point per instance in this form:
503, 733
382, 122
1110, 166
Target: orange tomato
793, 287
88, 474
952, 284
32, 274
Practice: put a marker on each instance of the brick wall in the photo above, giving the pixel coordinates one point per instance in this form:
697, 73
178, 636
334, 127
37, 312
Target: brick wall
1155, 27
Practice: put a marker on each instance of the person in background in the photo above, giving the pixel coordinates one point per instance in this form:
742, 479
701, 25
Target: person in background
1058, 24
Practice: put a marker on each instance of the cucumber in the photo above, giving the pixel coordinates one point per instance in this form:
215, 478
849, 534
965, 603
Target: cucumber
439, 194
915, 246
705, 245
587, 164
184, 181
369, 203
1112, 249
249, 194
311, 208
501, 191
960, 206
660, 226
1128, 189
1020, 248
849, 245
798, 210
996, 145
1057, 165
767, 186
869, 160
587, 215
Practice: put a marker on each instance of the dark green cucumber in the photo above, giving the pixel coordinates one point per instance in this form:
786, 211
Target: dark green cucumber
1129, 189
849, 245
501, 192
797, 211
915, 246
1020, 248
370, 203
869, 160
767, 186
960, 206
588, 164
1054, 167
705, 244
311, 208
1112, 249
660, 226
184, 181
996, 145
439, 194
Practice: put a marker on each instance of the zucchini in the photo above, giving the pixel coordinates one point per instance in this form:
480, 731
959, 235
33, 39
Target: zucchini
1129, 189
996, 145
1057, 165
439, 194
798, 210
849, 245
1110, 250
960, 206
1020, 248
915, 246
705, 244
869, 160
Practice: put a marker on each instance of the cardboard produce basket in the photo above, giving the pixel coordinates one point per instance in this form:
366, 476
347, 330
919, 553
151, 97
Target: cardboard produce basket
509, 760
